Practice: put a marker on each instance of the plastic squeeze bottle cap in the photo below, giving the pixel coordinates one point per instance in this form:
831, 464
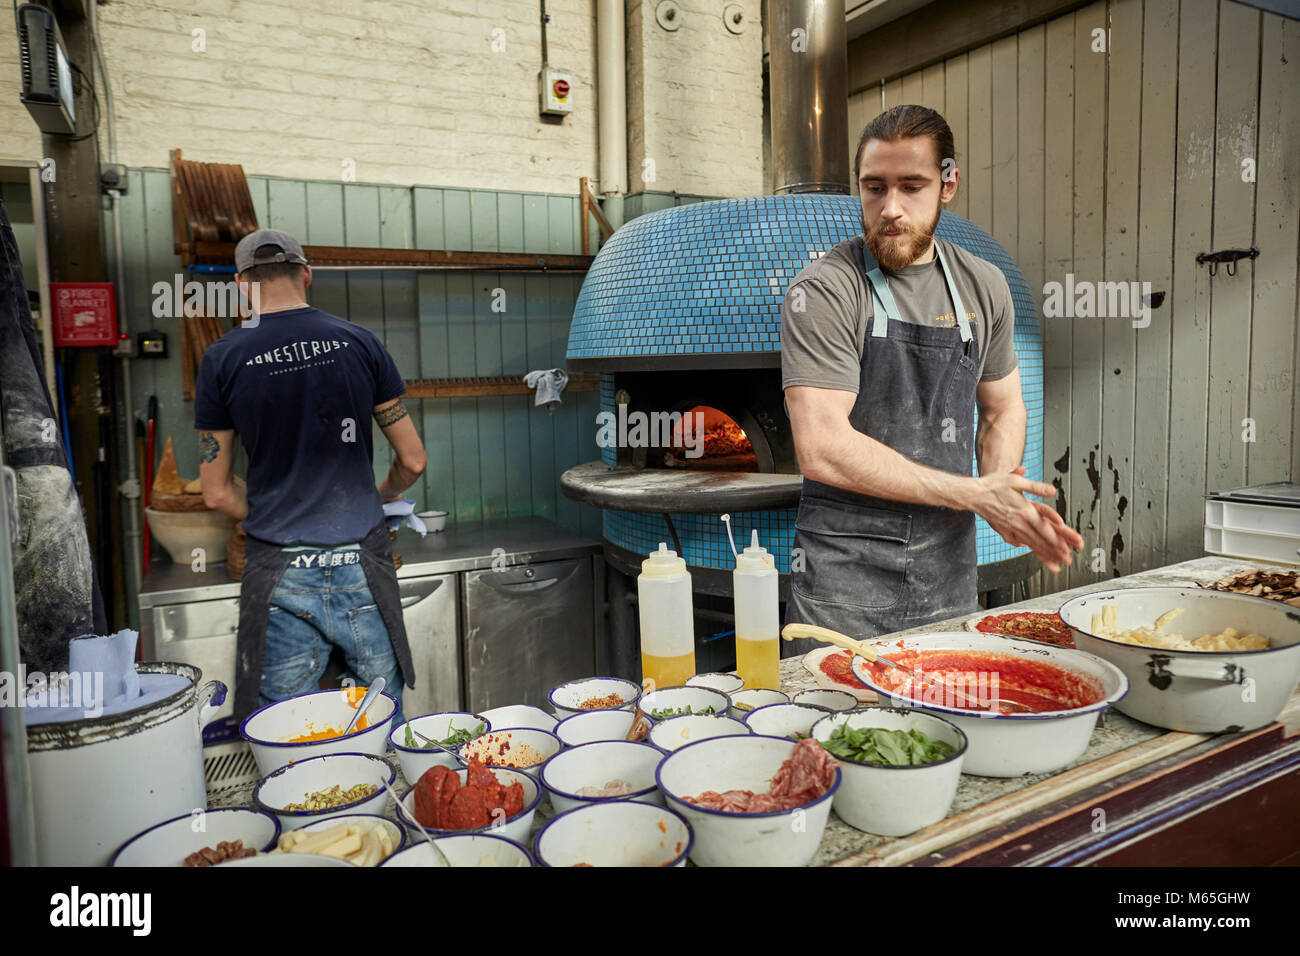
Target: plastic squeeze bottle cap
663, 563
755, 558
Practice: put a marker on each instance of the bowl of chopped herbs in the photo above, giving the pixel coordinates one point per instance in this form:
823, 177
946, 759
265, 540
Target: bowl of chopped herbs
452, 729
900, 766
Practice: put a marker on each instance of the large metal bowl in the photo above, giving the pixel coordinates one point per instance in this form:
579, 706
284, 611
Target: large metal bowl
1196, 691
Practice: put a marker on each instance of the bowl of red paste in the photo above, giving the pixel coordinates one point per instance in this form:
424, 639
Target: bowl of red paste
959, 675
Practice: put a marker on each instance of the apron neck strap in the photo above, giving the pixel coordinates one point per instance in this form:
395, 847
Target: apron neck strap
885, 308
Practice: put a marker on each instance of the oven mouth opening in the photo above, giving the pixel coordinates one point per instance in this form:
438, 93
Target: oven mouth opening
708, 439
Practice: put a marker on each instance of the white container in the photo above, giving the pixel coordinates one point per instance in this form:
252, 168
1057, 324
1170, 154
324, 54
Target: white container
785, 720
839, 700
620, 833
180, 532
1199, 692
468, 850
780, 838
597, 725
1010, 745
594, 765
515, 828
415, 761
1261, 523
675, 732
487, 747
667, 617
520, 715
278, 860
754, 699
99, 781
565, 699
292, 783
434, 521
268, 729
700, 700
727, 683
169, 843
754, 588
889, 800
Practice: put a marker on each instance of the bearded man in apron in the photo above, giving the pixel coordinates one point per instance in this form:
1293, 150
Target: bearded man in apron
889, 342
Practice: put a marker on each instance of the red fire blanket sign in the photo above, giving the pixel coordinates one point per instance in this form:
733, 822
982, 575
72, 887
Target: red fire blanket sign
85, 314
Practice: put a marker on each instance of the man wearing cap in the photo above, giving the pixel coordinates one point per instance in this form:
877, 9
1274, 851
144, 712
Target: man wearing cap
299, 386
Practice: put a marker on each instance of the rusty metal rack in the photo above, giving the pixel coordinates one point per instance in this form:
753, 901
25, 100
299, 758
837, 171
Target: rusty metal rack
484, 385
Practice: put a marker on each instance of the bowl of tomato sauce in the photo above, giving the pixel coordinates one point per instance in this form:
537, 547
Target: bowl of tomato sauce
960, 675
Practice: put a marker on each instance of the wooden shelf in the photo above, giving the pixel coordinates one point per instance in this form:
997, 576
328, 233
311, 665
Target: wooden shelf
484, 385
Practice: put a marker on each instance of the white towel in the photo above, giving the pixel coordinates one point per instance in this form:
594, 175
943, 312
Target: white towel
549, 383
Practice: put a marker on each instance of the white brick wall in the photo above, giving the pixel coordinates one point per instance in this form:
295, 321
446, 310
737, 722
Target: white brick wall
292, 89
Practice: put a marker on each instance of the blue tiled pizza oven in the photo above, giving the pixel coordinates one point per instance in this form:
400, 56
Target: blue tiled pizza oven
698, 287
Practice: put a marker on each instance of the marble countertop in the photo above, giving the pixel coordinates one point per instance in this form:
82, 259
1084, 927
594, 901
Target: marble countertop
1115, 733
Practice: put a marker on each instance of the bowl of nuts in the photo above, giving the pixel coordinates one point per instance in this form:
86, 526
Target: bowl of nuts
318, 788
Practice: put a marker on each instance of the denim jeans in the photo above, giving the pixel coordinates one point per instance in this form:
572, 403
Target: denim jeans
314, 610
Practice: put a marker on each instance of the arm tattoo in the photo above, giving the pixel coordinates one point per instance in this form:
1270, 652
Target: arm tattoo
209, 447
391, 415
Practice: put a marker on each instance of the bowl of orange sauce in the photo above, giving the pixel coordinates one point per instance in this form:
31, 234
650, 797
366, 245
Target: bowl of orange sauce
311, 725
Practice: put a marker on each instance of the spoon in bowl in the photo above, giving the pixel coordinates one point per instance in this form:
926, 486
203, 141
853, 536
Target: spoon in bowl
639, 729
437, 746
437, 853
376, 688
828, 636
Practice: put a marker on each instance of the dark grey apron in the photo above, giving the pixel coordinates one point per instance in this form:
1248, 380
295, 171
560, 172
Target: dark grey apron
866, 566
264, 564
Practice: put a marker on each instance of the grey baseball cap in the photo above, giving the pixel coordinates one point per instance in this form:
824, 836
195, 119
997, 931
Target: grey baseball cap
248, 251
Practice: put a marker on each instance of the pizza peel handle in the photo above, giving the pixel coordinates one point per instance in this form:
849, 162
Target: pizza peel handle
793, 632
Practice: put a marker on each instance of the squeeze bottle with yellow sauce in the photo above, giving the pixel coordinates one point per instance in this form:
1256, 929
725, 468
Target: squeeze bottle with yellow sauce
758, 619
667, 619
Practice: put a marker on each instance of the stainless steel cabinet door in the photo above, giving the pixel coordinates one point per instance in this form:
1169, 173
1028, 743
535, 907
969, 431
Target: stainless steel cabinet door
526, 629
201, 633
429, 612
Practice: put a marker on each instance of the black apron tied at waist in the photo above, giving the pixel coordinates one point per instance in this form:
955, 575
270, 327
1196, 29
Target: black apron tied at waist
264, 565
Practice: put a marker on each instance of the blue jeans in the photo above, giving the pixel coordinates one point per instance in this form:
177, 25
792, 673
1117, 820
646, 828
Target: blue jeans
316, 609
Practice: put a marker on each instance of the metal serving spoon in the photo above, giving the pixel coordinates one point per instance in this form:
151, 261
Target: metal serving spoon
438, 746
828, 636
437, 853
376, 688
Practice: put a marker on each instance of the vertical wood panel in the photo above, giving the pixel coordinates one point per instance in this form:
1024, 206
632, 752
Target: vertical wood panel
1086, 334
1058, 252
913, 88
175, 416
979, 132
892, 94
537, 336
1236, 126
956, 98
1120, 339
1005, 172
435, 413
1190, 294
1155, 252
932, 93
1274, 360
399, 296
517, 409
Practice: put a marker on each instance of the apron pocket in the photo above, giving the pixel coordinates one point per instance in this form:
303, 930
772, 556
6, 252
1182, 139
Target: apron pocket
852, 554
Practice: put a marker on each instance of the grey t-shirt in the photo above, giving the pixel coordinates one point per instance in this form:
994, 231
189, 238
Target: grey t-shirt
822, 344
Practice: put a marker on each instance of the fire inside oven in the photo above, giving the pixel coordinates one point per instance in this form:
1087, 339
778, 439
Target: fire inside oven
709, 439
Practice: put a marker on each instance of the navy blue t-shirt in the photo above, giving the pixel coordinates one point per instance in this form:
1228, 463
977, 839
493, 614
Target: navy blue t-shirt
300, 389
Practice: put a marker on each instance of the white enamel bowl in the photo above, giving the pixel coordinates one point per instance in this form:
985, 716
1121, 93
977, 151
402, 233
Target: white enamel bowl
266, 730
416, 760
514, 828
170, 842
727, 683
617, 833
1010, 745
519, 715
467, 849
596, 764
840, 700
753, 699
785, 720
396, 833
597, 725
487, 747
292, 783
890, 800
1201, 692
698, 699
565, 698
780, 838
277, 860
675, 732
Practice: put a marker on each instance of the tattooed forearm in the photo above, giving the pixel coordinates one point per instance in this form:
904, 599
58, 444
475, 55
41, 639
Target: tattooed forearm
390, 415
209, 447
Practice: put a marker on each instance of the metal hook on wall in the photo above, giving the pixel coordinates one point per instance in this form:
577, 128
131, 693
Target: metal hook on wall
1228, 256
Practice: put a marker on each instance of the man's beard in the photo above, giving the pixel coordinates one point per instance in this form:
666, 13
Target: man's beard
895, 252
